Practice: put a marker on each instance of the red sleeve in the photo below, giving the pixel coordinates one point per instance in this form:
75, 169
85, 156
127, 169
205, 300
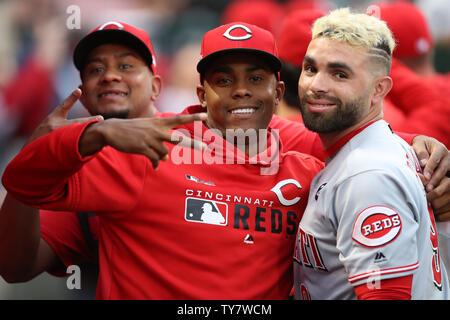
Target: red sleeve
62, 231
389, 289
49, 173
296, 137
426, 109
408, 137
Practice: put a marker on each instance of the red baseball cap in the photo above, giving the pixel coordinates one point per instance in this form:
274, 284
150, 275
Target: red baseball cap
115, 32
410, 29
239, 37
295, 35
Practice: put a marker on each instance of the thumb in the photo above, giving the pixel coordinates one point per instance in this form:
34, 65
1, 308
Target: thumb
86, 119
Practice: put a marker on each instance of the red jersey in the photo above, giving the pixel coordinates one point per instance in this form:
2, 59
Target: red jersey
186, 231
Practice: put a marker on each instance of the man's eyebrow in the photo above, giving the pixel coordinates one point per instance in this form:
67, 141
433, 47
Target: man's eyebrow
221, 69
117, 55
330, 65
340, 65
124, 54
227, 69
256, 68
309, 60
91, 60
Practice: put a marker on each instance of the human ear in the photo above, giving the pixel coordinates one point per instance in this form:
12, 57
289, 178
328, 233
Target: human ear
201, 95
280, 88
156, 87
381, 88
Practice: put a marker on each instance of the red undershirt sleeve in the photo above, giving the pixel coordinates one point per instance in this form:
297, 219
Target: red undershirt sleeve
389, 289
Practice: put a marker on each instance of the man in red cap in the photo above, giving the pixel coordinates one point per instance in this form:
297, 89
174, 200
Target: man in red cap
144, 213
245, 40
118, 72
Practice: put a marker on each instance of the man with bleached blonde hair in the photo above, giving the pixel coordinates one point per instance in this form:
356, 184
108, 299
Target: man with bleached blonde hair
367, 231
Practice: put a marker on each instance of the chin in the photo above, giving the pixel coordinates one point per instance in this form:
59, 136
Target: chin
122, 114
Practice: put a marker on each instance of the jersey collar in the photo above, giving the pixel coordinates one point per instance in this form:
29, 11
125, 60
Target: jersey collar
330, 151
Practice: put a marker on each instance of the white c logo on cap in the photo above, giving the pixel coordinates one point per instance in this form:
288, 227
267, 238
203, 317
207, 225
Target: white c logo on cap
118, 25
245, 37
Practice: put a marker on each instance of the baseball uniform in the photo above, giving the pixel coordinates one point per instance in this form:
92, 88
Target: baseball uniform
68, 241
153, 242
367, 220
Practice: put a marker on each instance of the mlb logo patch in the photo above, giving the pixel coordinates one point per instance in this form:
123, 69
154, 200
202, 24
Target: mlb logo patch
206, 211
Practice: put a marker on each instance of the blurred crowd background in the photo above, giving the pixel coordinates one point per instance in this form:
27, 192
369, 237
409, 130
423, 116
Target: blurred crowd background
37, 73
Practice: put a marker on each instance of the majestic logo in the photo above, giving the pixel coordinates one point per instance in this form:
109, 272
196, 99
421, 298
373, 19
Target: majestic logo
248, 35
206, 211
379, 257
249, 239
113, 23
279, 193
376, 226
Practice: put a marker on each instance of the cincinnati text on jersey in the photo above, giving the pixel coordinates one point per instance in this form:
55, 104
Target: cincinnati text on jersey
260, 214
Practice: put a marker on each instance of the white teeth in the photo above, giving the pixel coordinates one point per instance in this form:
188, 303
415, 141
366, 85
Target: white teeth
245, 110
113, 93
322, 105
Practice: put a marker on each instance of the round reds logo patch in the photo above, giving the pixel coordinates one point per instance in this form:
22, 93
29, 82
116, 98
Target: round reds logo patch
376, 226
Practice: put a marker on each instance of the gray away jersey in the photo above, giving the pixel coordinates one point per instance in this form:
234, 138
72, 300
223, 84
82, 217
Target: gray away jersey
368, 219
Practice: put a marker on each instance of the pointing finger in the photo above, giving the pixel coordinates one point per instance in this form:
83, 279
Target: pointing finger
64, 107
177, 137
183, 119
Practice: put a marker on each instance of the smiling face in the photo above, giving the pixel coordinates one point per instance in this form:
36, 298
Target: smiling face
240, 92
335, 86
118, 83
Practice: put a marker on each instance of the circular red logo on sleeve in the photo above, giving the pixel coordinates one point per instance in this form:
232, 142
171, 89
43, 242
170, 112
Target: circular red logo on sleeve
376, 226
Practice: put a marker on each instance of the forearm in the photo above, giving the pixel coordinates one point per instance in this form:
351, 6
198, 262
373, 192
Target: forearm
39, 174
91, 140
19, 239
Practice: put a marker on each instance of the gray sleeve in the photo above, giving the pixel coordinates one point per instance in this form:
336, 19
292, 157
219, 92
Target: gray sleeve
376, 217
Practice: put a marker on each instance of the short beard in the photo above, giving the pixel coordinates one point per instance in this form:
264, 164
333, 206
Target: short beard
342, 117
117, 115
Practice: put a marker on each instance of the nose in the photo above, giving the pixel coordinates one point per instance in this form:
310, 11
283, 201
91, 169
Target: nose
318, 83
241, 89
110, 75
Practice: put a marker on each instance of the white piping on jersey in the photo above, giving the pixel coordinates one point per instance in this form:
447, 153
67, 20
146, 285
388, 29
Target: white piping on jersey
380, 272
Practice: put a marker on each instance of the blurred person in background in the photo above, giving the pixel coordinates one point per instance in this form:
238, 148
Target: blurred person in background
34, 48
415, 49
181, 80
416, 43
265, 14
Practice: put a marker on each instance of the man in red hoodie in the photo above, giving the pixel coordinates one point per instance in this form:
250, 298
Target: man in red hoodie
293, 142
